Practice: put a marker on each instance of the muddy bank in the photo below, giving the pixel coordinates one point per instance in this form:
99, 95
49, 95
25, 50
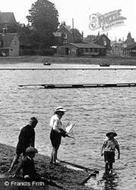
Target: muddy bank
69, 179
70, 60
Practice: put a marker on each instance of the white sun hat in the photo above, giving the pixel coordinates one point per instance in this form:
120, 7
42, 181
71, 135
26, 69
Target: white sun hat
60, 109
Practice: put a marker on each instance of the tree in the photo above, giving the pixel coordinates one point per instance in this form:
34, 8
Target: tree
43, 18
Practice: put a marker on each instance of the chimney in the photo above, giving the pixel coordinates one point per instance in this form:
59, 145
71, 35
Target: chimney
72, 23
82, 35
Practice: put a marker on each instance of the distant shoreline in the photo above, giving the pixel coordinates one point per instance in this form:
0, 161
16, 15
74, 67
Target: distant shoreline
129, 61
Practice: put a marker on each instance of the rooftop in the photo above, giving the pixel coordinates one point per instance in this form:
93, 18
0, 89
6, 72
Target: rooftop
7, 18
87, 45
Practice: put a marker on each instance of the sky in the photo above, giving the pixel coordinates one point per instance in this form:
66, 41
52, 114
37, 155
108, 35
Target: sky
79, 11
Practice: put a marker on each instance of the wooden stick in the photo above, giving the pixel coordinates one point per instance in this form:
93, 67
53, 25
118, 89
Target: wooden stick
76, 165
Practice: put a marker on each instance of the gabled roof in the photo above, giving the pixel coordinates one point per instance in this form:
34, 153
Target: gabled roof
94, 38
7, 39
7, 18
101, 36
87, 45
131, 46
64, 27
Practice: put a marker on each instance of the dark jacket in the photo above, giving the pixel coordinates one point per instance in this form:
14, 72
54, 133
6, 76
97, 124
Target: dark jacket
26, 139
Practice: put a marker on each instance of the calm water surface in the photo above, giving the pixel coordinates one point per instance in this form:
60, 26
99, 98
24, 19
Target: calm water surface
95, 111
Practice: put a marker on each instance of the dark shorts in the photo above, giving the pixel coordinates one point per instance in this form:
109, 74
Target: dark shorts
109, 156
55, 138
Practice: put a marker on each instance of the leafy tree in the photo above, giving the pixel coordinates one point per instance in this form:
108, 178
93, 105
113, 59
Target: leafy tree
43, 18
24, 33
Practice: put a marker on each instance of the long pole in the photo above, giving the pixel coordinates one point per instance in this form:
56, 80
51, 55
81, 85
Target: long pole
73, 30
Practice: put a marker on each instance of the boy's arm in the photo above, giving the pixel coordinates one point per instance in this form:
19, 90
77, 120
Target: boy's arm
103, 146
102, 150
118, 149
18, 169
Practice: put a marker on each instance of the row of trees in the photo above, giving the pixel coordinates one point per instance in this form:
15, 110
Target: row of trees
42, 23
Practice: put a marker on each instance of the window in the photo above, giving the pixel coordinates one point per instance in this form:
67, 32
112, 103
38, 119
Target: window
86, 50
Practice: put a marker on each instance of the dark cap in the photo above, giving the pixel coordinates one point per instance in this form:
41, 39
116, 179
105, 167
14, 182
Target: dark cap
34, 119
111, 132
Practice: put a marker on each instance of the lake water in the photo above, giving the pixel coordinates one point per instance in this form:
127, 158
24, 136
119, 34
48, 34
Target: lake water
93, 110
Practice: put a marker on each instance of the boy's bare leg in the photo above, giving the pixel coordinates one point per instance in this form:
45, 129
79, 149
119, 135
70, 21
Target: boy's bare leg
111, 167
15, 160
53, 156
106, 167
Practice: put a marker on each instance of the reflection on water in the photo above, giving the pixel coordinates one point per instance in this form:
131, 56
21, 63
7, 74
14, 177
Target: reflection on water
103, 182
93, 110
111, 183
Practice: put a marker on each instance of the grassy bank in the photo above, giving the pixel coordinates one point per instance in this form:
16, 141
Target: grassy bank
77, 60
68, 178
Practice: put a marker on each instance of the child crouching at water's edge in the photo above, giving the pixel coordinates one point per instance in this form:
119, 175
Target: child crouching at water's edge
29, 172
27, 165
108, 151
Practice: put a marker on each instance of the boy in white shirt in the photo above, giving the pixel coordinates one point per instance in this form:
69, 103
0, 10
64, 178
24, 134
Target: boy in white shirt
108, 150
56, 132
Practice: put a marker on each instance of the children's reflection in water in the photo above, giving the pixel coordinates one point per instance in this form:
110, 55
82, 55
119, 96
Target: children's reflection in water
104, 182
110, 182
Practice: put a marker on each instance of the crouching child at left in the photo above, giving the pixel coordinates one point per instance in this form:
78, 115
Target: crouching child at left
29, 172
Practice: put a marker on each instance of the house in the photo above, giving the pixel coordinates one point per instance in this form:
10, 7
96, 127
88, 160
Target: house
9, 44
7, 22
102, 40
9, 41
130, 50
7, 18
65, 34
124, 47
129, 41
81, 49
117, 47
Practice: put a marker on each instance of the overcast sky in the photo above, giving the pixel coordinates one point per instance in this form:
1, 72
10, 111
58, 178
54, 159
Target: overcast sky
80, 10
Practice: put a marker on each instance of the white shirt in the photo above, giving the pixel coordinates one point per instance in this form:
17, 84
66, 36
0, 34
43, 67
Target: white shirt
110, 145
55, 122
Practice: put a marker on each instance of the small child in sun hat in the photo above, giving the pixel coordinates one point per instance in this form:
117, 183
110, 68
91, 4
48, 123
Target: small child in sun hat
108, 150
